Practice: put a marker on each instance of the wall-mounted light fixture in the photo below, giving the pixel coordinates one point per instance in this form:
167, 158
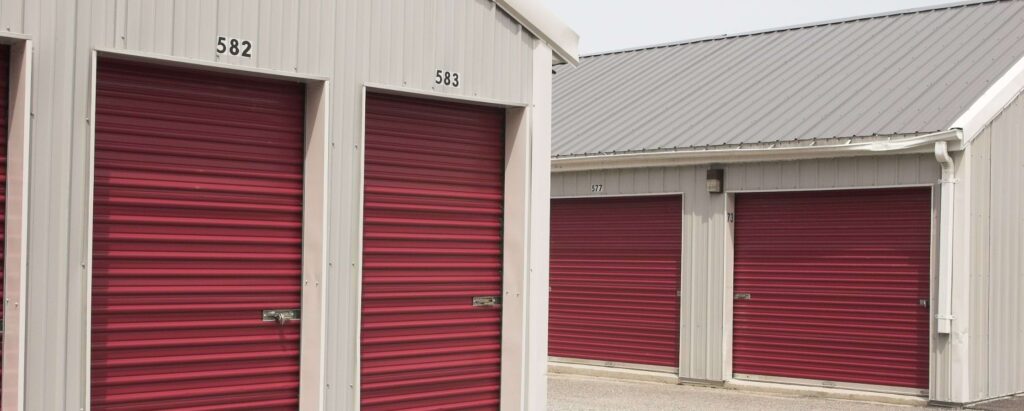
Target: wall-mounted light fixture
716, 180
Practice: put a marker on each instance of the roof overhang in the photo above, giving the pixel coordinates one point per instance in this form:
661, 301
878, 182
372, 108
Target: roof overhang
919, 144
999, 95
543, 24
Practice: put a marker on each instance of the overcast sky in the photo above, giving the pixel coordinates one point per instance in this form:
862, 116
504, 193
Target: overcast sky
605, 25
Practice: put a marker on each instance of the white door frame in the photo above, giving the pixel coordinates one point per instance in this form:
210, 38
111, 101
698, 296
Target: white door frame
314, 214
515, 239
677, 370
16, 217
727, 316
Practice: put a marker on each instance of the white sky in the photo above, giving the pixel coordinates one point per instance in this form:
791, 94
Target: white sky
605, 25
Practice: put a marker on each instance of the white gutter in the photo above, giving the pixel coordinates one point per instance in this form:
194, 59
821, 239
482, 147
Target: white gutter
944, 311
546, 26
909, 145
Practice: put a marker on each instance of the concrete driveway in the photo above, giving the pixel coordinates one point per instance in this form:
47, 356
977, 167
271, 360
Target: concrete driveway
577, 393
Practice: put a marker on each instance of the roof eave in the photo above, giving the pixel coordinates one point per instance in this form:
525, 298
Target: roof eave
909, 145
540, 21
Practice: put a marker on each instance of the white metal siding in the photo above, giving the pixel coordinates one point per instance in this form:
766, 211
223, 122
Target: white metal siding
396, 43
997, 238
704, 225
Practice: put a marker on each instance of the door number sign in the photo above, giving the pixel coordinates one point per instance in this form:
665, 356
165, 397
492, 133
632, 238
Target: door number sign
234, 47
447, 78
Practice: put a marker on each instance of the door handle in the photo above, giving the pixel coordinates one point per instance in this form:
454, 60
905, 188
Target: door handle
488, 301
281, 316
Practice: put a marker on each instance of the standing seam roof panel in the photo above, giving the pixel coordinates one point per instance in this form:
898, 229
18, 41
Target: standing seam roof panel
802, 111
741, 81
878, 70
826, 49
1003, 56
904, 73
921, 75
627, 95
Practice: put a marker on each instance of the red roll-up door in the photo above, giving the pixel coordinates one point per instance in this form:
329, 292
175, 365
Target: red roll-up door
615, 275
433, 197
833, 286
5, 92
197, 230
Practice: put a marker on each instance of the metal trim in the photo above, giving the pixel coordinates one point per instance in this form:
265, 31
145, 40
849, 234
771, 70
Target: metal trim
545, 26
171, 61
566, 341
845, 188
357, 381
507, 247
87, 244
614, 364
11, 38
369, 87
911, 145
670, 193
434, 95
18, 140
701, 382
885, 389
988, 106
206, 65
728, 288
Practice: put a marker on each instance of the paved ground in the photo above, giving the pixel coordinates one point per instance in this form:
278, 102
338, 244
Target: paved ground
1002, 404
578, 393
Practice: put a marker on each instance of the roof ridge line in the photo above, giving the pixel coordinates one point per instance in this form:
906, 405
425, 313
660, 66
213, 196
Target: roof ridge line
894, 13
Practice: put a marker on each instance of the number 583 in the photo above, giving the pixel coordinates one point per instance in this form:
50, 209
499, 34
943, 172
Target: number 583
447, 78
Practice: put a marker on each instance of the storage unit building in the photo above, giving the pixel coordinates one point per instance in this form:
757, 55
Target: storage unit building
850, 199
316, 204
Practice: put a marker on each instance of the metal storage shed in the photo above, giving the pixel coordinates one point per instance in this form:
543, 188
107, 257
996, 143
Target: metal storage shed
314, 204
850, 196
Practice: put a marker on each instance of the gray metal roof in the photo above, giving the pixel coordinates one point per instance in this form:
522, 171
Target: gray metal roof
907, 72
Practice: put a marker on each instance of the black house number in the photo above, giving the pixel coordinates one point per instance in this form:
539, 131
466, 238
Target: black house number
447, 78
234, 47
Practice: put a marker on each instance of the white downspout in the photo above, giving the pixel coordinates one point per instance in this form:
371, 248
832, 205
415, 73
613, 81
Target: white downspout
944, 314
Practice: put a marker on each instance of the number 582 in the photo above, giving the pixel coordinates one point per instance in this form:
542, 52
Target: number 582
234, 47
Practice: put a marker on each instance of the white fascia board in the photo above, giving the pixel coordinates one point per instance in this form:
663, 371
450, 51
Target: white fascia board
546, 26
910, 145
990, 104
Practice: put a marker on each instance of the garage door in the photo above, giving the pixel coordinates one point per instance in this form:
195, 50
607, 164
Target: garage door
833, 286
197, 228
615, 278
5, 65
433, 196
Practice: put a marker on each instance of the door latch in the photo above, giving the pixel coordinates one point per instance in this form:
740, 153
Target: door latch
488, 301
741, 296
281, 316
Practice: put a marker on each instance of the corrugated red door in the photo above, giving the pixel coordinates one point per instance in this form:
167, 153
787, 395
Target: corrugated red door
615, 275
433, 197
197, 229
5, 75
835, 281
